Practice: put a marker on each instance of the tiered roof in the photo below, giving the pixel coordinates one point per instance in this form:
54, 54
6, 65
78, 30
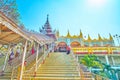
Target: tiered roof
47, 30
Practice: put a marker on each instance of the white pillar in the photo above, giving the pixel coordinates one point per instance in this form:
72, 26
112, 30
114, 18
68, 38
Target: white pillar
37, 57
117, 76
107, 60
23, 60
77, 58
6, 58
101, 43
113, 60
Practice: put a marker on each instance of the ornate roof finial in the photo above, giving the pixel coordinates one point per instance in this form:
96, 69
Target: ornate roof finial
68, 35
89, 38
47, 17
99, 37
81, 35
57, 33
110, 37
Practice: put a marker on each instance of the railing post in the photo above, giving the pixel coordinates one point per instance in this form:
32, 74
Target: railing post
44, 53
6, 58
37, 57
23, 60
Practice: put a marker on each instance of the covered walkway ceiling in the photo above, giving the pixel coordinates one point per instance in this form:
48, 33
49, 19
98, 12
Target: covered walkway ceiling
8, 36
10, 33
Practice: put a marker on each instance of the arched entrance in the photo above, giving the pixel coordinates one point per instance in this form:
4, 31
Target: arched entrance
75, 44
62, 47
107, 45
96, 45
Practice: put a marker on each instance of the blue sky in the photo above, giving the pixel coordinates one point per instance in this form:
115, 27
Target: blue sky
91, 16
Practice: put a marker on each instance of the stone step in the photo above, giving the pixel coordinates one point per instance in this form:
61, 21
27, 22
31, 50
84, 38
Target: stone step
58, 65
52, 70
56, 78
60, 72
5, 77
58, 68
52, 75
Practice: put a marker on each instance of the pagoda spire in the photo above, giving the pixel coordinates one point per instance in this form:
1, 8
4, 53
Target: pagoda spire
57, 33
81, 35
68, 34
89, 38
99, 37
110, 37
47, 18
47, 24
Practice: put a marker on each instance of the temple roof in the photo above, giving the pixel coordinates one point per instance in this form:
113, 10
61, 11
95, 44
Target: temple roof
47, 30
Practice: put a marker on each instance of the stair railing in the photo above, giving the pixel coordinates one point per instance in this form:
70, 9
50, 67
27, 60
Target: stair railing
16, 61
31, 72
81, 72
14, 72
94, 76
98, 77
78, 68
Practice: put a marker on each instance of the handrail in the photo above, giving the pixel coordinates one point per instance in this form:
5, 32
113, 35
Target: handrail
13, 70
32, 69
99, 76
34, 65
76, 62
21, 63
29, 60
93, 75
96, 75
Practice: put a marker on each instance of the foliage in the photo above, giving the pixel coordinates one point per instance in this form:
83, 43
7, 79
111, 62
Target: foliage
9, 8
107, 70
91, 61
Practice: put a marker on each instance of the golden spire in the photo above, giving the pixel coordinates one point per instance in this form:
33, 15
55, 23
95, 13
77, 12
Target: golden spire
99, 37
81, 35
110, 37
57, 33
89, 38
68, 35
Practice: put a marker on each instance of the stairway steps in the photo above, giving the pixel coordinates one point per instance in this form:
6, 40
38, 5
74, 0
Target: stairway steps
57, 67
64, 64
74, 72
58, 70
60, 65
69, 67
6, 75
57, 78
54, 75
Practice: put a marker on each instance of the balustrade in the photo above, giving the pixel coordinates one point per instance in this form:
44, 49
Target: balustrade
96, 50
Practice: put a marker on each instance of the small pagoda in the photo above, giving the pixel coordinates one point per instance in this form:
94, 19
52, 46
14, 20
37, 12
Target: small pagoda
47, 30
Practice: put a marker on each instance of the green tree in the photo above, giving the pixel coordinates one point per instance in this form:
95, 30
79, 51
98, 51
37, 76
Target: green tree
91, 61
10, 9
